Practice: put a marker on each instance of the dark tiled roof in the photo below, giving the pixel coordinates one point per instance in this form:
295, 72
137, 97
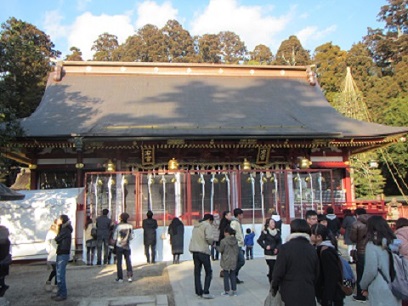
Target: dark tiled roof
148, 105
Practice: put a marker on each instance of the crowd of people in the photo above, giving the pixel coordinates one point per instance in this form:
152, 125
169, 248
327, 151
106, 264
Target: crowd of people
304, 269
307, 267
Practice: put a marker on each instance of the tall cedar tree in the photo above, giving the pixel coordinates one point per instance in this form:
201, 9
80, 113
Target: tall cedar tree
261, 55
292, 53
105, 46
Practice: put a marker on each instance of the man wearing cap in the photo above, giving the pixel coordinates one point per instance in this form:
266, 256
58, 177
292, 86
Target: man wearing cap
201, 240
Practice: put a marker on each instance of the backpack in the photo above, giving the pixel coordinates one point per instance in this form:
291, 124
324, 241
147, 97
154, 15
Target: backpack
349, 281
398, 275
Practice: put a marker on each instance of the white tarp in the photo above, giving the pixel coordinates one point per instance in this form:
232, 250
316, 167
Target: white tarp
28, 220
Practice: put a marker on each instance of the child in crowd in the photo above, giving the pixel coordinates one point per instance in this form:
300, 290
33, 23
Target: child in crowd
229, 257
249, 244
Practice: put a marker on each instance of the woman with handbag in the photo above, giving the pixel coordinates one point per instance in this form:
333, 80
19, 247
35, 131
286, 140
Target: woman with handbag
5, 258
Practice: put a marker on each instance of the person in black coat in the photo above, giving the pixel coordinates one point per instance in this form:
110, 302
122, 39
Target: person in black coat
176, 232
4, 253
328, 290
149, 237
270, 240
103, 225
63, 239
297, 267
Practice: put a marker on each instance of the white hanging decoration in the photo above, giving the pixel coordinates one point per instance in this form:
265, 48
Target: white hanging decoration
163, 181
253, 198
276, 193
202, 181
149, 191
301, 195
212, 193
228, 191
319, 180
110, 183
96, 195
311, 190
177, 194
261, 182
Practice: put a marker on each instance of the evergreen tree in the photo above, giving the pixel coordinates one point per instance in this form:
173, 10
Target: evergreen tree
292, 53
25, 54
104, 46
76, 55
261, 55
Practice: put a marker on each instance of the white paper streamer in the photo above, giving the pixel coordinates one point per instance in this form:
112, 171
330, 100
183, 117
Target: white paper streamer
202, 181
212, 192
312, 190
301, 194
149, 192
261, 182
319, 179
253, 198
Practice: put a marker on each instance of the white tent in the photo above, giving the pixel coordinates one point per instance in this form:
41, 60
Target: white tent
28, 220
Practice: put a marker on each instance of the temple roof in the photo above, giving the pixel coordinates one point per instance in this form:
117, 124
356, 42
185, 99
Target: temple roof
156, 100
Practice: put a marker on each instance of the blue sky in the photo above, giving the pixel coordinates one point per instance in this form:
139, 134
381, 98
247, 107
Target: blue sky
79, 22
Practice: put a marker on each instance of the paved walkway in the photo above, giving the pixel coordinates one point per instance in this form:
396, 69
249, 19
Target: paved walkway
252, 292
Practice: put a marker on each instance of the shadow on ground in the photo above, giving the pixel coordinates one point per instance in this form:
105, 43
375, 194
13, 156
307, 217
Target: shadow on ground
26, 281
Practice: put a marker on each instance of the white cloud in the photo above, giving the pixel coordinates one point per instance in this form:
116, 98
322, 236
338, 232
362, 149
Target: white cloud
149, 12
254, 24
312, 34
81, 5
87, 27
53, 26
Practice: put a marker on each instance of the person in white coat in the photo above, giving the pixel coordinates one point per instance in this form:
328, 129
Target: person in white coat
51, 248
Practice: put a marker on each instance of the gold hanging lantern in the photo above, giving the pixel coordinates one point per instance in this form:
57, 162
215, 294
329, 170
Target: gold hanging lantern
305, 163
246, 165
110, 166
173, 164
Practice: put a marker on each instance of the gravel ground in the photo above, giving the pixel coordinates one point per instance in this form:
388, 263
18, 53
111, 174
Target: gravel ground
26, 281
